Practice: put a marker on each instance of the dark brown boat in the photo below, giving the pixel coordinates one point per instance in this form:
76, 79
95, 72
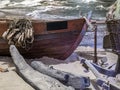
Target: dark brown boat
57, 39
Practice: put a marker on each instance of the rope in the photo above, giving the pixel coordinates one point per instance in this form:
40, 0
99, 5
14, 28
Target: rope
20, 33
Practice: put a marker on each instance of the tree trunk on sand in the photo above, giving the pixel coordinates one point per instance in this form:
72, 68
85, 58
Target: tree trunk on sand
38, 80
64, 77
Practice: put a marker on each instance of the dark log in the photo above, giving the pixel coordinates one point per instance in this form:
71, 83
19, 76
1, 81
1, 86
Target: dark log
78, 82
36, 79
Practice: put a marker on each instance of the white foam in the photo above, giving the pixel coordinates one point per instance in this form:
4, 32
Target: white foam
55, 11
41, 16
3, 3
26, 3
84, 1
87, 1
30, 3
100, 7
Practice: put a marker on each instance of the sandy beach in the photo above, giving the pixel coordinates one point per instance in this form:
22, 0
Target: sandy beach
10, 80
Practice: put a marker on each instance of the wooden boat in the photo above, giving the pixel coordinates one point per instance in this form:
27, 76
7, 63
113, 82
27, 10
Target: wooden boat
57, 39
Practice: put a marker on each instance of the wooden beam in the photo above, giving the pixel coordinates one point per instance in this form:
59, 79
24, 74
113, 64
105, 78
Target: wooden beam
78, 82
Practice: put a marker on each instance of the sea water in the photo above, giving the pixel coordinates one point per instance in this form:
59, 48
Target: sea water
38, 9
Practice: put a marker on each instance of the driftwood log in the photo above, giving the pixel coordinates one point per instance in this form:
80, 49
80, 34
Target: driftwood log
78, 82
36, 79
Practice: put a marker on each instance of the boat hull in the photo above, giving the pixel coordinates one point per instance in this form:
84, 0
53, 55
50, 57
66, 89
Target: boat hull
56, 39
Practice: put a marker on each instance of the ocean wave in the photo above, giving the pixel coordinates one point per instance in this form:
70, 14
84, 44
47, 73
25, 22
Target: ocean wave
100, 7
4, 3
83, 1
35, 8
33, 3
55, 12
13, 11
59, 8
26, 3
87, 1
39, 16
29, 3
53, 7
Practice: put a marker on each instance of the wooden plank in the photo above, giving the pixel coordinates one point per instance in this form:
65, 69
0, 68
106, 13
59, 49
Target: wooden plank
47, 45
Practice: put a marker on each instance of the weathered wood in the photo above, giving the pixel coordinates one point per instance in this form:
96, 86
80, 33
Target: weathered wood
38, 80
78, 82
101, 80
